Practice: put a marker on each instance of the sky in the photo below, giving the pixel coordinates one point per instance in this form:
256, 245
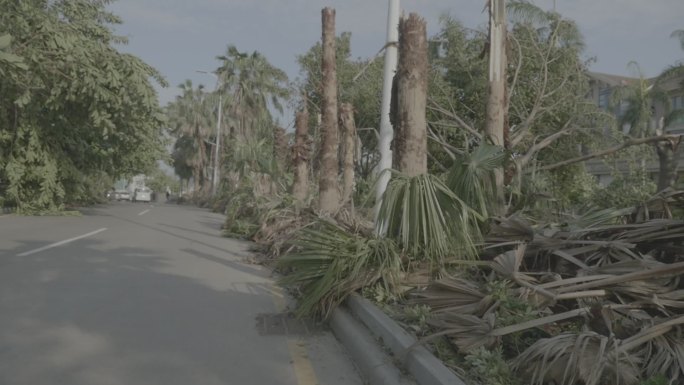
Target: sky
181, 37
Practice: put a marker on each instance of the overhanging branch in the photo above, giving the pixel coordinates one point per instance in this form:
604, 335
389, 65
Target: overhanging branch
612, 150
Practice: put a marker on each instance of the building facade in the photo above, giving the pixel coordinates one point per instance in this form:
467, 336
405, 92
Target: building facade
603, 89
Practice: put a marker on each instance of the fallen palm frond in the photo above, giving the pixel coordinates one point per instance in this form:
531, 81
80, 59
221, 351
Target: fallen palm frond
571, 358
666, 357
454, 295
427, 218
463, 328
329, 262
662, 205
597, 299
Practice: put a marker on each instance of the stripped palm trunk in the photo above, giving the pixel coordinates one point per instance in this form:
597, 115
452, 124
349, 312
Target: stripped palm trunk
668, 157
280, 147
495, 123
410, 142
348, 149
329, 194
300, 188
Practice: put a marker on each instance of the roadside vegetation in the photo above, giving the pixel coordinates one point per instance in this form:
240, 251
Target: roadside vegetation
491, 241
75, 113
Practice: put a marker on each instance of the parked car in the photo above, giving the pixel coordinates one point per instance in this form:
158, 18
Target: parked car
143, 194
122, 195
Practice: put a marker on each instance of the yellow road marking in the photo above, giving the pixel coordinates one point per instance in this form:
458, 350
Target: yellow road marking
303, 369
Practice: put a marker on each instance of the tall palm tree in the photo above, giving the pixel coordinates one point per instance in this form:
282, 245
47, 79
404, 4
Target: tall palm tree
191, 119
255, 85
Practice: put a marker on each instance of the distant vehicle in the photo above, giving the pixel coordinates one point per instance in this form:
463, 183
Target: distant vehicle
142, 194
122, 195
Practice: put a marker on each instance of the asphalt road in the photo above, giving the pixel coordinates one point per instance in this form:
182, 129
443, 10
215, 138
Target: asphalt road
138, 294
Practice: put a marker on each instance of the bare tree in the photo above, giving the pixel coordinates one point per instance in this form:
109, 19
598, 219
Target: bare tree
300, 157
410, 142
329, 194
280, 144
347, 150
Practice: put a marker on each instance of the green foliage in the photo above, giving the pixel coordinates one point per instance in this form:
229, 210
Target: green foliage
417, 316
158, 180
73, 108
330, 262
656, 380
242, 210
625, 190
472, 177
488, 367
7, 58
191, 121
428, 219
549, 116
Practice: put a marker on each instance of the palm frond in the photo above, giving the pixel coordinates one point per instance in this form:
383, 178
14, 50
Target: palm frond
425, 216
569, 358
472, 176
330, 262
526, 12
454, 295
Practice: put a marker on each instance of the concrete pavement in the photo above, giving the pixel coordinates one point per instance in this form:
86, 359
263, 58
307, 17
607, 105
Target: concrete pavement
145, 294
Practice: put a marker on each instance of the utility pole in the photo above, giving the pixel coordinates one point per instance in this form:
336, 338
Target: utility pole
215, 176
217, 161
386, 131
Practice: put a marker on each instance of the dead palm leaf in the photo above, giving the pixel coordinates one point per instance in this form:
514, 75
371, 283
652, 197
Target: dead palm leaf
454, 295
330, 262
666, 357
569, 358
508, 266
470, 332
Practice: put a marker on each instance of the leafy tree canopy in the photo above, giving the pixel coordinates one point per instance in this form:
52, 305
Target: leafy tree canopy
73, 106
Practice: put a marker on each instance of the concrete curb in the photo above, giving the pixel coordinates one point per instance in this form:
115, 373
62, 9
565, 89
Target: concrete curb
375, 365
423, 365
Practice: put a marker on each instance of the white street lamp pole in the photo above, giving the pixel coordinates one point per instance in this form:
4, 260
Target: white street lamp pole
386, 131
215, 177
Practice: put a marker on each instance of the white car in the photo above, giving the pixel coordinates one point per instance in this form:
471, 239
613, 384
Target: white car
143, 194
122, 195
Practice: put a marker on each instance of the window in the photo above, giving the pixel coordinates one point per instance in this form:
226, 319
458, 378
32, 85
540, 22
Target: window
677, 102
604, 99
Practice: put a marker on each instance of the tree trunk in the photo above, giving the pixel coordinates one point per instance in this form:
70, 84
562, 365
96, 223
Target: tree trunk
668, 157
280, 147
410, 142
348, 150
300, 157
497, 101
329, 194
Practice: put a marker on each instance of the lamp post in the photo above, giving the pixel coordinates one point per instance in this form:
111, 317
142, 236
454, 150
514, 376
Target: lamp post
386, 131
215, 177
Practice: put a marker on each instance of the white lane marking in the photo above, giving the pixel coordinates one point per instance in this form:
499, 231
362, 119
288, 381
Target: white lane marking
60, 243
144, 212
